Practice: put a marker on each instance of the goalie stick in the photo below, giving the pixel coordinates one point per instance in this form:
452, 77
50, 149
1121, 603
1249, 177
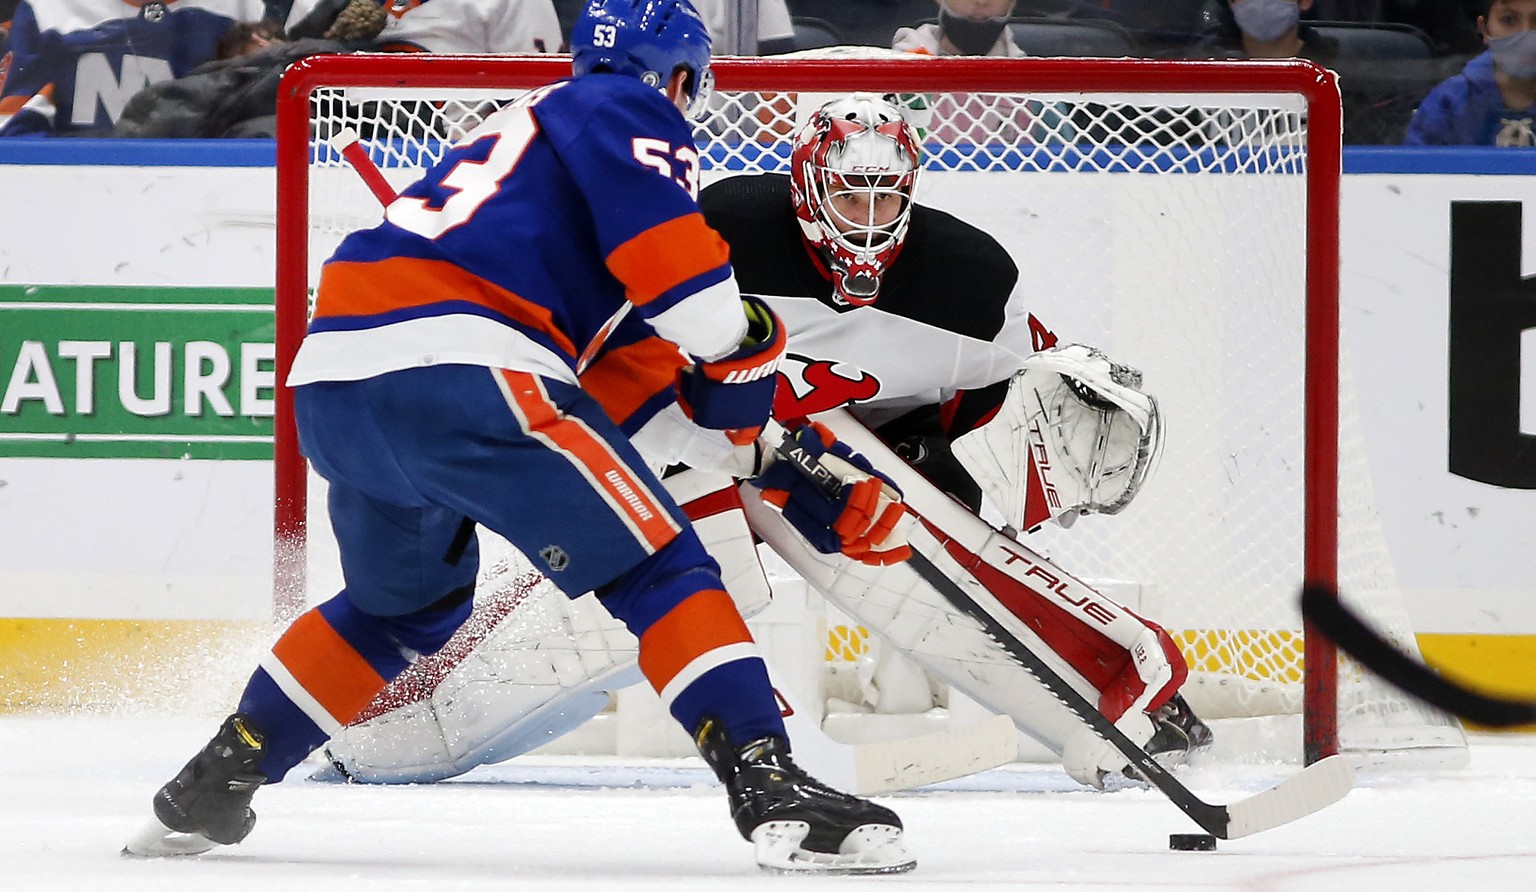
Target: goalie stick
1341, 625
1315, 787
865, 769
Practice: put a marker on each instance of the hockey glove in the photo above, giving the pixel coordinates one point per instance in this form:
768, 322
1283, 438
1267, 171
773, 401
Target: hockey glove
735, 392
864, 521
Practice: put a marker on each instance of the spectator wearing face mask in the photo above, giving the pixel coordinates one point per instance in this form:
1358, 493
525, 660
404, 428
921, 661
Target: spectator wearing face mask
1492, 102
965, 28
974, 28
1269, 29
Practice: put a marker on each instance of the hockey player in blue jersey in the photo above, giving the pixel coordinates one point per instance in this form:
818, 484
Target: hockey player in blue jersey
76, 64
438, 387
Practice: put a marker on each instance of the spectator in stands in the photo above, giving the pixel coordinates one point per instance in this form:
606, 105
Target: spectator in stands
1492, 102
75, 65
775, 30
236, 94
1267, 29
7, 9
971, 28
246, 38
964, 28
446, 26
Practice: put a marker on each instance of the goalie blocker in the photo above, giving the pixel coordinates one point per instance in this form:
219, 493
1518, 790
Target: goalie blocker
507, 691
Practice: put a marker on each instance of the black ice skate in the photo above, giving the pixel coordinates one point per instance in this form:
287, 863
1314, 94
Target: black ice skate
1178, 734
209, 803
796, 823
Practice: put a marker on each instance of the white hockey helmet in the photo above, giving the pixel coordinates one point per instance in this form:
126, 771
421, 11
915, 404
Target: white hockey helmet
853, 171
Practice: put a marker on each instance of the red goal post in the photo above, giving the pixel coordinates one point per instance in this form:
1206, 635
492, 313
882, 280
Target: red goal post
1063, 81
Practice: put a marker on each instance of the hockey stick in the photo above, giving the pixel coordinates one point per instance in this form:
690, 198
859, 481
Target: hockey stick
1341, 625
1313, 788
348, 143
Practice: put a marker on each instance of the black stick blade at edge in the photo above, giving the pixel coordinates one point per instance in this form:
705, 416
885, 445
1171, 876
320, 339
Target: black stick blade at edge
1329, 615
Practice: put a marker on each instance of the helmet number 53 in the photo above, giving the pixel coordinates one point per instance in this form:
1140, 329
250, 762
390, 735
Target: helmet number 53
604, 35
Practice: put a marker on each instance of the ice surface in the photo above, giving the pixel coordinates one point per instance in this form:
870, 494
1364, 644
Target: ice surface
73, 789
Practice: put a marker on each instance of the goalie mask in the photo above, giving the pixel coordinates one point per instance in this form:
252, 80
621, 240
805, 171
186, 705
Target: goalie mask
853, 172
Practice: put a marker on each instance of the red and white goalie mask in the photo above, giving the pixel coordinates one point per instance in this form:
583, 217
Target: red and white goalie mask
853, 172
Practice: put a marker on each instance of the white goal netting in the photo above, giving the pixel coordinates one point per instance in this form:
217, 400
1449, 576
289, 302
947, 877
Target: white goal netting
1169, 229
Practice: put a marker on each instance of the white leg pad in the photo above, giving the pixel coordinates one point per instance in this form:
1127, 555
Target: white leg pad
530, 663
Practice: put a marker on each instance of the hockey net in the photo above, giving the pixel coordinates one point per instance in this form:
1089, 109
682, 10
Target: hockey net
1180, 216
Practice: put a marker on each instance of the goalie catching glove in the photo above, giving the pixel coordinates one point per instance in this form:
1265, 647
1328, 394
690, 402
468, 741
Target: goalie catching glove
1074, 435
734, 393
865, 520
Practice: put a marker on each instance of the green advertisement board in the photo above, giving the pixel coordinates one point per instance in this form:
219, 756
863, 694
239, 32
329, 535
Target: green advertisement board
136, 372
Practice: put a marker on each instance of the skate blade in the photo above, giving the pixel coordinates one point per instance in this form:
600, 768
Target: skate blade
870, 849
159, 841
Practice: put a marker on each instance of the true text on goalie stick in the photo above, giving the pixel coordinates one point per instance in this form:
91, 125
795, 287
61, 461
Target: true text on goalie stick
1315, 787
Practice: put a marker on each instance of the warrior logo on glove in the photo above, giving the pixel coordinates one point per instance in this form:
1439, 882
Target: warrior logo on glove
734, 393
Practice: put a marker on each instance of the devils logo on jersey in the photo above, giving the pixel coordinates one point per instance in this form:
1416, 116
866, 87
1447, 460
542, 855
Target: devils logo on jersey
808, 386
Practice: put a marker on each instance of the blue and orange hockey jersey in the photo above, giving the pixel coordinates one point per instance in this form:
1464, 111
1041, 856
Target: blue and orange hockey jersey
530, 243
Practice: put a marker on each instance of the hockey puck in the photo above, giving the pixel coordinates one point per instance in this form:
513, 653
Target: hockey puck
1192, 842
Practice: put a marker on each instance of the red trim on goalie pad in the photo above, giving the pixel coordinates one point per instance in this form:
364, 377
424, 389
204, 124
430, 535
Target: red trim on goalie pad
721, 501
1100, 660
422, 677
1039, 496
702, 622
327, 666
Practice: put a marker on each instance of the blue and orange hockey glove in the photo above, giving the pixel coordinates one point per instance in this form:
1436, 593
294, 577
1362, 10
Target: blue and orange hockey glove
735, 392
